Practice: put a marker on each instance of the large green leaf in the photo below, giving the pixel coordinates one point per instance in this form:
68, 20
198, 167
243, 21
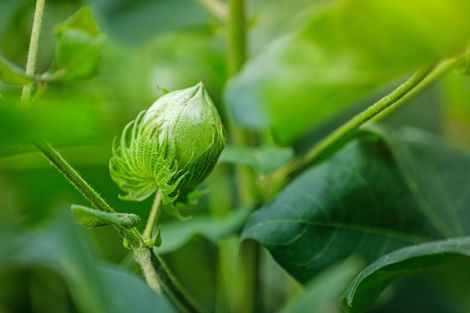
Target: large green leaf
376, 195
401, 263
343, 55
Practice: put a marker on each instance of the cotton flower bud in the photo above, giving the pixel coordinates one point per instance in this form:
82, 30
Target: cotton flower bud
171, 146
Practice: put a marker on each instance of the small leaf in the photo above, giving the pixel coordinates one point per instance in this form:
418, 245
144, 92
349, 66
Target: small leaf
370, 282
11, 74
93, 218
77, 48
263, 159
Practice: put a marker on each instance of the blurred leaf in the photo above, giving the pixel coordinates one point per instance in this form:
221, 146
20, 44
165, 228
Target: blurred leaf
12, 74
401, 263
340, 57
263, 159
137, 21
141, 299
89, 217
378, 194
58, 245
175, 235
77, 48
66, 116
322, 293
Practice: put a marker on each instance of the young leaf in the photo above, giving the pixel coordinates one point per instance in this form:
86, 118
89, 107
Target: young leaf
11, 74
378, 194
94, 218
401, 263
77, 48
263, 159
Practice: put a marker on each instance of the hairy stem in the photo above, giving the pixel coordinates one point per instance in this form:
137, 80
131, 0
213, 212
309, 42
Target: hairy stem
72, 175
142, 256
153, 216
33, 49
383, 107
156, 274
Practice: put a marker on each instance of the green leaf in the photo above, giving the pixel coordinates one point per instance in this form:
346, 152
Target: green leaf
11, 74
381, 192
89, 217
175, 235
77, 48
136, 22
340, 57
322, 293
371, 281
263, 159
95, 288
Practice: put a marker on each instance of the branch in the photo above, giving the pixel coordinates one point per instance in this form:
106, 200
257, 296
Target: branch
377, 111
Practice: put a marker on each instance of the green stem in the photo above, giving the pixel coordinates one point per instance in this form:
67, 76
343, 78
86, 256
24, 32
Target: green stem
153, 216
73, 176
377, 111
156, 274
248, 297
33, 49
142, 256
236, 35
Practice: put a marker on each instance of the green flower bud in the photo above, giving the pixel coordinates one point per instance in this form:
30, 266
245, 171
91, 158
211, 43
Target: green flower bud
171, 146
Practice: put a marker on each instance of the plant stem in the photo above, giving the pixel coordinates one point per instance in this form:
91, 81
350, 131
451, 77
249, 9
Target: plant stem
73, 176
377, 111
236, 33
153, 216
157, 274
33, 49
142, 256
248, 299
236, 56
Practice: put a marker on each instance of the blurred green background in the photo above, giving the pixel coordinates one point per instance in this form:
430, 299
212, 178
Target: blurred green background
308, 71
